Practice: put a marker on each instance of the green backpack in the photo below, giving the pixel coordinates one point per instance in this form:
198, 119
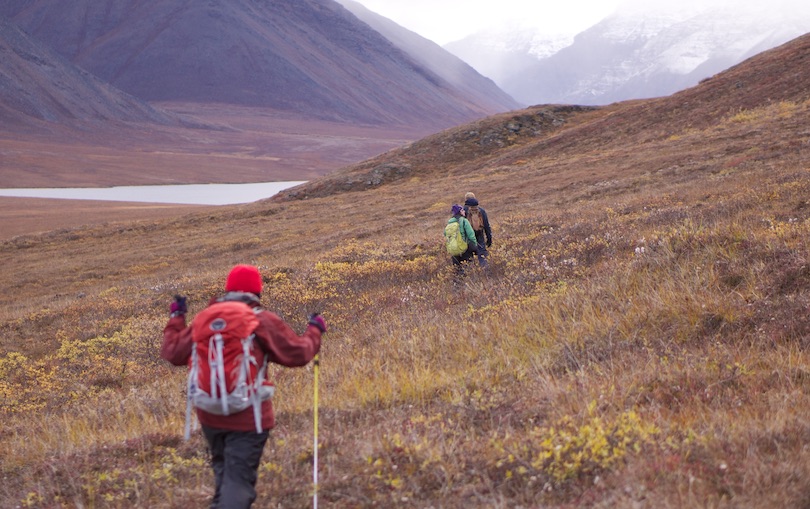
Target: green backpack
454, 240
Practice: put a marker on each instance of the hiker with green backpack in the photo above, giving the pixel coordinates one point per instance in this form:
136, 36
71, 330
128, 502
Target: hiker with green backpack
459, 239
227, 347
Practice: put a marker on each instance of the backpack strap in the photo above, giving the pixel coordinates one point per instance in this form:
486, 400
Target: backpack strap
463, 230
260, 377
218, 371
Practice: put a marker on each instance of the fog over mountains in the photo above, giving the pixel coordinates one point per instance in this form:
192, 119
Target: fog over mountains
308, 57
642, 50
436, 59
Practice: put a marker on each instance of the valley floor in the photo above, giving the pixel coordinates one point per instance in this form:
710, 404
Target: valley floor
24, 216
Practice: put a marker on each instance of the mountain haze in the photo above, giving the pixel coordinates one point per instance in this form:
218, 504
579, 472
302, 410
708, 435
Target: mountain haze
500, 52
642, 50
310, 56
438, 60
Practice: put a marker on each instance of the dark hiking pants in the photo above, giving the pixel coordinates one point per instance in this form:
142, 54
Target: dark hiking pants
460, 261
235, 457
482, 253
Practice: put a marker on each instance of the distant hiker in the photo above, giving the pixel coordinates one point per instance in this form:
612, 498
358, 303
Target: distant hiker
479, 221
232, 329
459, 239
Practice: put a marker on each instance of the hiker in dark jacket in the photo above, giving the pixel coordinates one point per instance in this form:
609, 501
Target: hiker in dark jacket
236, 447
467, 234
483, 232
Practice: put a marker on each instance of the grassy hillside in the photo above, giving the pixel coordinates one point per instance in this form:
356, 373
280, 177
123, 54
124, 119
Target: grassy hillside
639, 341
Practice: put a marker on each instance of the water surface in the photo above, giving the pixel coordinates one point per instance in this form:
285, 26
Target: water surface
189, 194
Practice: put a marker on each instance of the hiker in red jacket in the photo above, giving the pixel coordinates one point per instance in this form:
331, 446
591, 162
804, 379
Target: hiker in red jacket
235, 445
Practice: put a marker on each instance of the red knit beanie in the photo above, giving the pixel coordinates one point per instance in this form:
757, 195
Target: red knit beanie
244, 278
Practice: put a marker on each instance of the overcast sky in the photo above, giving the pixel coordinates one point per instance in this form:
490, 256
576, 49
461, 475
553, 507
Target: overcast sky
444, 21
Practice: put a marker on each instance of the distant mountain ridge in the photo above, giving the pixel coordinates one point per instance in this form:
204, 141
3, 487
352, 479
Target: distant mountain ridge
640, 51
310, 56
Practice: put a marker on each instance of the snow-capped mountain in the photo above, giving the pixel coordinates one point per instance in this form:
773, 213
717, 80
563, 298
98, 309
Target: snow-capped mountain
639, 51
498, 52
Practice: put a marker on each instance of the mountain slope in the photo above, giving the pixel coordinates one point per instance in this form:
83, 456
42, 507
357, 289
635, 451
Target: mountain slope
561, 133
37, 85
639, 340
311, 57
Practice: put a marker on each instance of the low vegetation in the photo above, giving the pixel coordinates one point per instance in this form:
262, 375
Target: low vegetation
639, 340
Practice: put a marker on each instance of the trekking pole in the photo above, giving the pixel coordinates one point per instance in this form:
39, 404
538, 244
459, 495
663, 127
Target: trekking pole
316, 363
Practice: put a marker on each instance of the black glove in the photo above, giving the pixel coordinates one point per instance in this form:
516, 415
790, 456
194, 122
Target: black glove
318, 321
489, 242
178, 307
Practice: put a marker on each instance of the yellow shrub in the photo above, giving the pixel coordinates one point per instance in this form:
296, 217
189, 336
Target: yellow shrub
567, 450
